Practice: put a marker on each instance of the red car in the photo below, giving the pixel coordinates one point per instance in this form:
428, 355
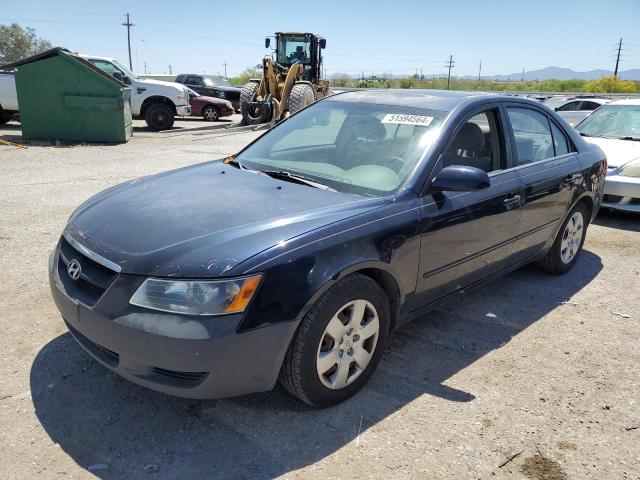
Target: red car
209, 108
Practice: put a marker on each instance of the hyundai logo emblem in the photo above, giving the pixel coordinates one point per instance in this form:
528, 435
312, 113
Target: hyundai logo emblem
74, 269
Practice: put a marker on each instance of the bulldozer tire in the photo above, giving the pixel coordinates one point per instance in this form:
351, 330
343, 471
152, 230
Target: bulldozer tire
301, 96
250, 117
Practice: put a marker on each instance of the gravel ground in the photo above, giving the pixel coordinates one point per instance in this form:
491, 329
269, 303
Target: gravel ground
533, 377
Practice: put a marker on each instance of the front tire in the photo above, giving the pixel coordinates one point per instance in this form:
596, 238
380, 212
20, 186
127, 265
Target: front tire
210, 113
301, 96
567, 246
339, 343
257, 114
159, 117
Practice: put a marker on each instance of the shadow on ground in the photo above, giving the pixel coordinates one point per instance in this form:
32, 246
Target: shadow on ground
620, 220
97, 418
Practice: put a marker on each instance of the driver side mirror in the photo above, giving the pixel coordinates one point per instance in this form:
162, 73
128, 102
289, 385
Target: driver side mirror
267, 42
323, 43
460, 178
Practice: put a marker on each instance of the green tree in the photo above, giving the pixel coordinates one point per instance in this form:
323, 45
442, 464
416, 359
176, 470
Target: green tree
247, 74
17, 43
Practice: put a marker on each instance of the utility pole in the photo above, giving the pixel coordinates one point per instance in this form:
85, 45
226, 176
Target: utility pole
615, 73
225, 68
145, 68
129, 25
170, 71
480, 71
522, 80
450, 65
421, 76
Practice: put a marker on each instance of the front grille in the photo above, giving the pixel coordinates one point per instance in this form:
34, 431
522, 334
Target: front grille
178, 379
94, 278
109, 357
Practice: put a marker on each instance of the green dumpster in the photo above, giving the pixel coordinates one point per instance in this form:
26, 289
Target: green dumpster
64, 97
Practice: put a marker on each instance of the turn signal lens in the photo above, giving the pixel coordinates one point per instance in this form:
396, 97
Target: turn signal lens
242, 299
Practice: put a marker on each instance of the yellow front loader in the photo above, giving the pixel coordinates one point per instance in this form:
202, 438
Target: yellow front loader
291, 79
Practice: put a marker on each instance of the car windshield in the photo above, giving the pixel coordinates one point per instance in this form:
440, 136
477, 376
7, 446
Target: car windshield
217, 82
358, 148
616, 121
129, 73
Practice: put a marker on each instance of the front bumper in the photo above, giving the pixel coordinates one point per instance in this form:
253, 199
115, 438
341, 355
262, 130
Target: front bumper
183, 110
622, 193
186, 356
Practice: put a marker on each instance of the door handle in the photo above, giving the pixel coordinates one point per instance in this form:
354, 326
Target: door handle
512, 201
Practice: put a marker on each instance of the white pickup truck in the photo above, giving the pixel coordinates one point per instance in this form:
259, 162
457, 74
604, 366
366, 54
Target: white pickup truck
8, 97
156, 101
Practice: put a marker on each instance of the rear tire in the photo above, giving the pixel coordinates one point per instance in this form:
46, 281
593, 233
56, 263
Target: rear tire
567, 246
344, 332
211, 113
301, 96
257, 115
159, 117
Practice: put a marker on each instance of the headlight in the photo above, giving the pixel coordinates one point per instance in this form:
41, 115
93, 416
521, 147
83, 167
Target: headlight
180, 97
631, 169
196, 297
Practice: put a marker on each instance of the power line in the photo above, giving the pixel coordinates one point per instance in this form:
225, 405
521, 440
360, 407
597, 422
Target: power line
129, 25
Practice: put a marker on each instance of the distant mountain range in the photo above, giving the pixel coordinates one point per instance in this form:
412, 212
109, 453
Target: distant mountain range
557, 73
548, 73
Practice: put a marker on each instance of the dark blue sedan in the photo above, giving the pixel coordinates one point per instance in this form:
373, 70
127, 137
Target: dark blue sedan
295, 259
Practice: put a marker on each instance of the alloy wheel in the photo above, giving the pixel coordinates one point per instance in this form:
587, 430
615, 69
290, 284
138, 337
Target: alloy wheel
347, 344
572, 237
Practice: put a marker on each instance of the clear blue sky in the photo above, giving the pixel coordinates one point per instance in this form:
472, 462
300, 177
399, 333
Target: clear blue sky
396, 36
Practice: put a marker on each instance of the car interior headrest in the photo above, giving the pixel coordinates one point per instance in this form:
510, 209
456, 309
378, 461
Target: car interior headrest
470, 137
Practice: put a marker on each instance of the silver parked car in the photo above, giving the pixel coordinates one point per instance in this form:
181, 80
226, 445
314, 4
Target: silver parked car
615, 128
575, 109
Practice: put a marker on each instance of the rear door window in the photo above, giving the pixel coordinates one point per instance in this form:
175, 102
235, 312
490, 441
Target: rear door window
560, 142
532, 133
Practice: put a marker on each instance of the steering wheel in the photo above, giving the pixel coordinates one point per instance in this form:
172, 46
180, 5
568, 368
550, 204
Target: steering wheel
394, 162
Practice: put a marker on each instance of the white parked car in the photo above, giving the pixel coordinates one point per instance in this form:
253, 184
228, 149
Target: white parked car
8, 97
615, 128
156, 101
575, 109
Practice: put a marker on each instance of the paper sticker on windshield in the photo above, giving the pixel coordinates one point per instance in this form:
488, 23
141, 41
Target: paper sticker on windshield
399, 118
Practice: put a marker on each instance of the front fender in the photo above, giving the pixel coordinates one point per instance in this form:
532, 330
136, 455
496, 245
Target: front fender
298, 272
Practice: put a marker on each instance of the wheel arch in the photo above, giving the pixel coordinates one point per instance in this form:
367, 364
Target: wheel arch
376, 271
157, 99
587, 199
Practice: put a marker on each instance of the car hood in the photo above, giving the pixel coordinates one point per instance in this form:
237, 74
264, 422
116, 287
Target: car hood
162, 83
618, 152
202, 221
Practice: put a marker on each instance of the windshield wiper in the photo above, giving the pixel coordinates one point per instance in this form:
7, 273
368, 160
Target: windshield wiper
585, 134
635, 139
292, 177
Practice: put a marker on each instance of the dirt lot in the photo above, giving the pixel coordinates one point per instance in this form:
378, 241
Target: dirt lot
534, 377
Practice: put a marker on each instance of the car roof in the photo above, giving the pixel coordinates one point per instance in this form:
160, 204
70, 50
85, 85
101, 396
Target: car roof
444, 100
627, 101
